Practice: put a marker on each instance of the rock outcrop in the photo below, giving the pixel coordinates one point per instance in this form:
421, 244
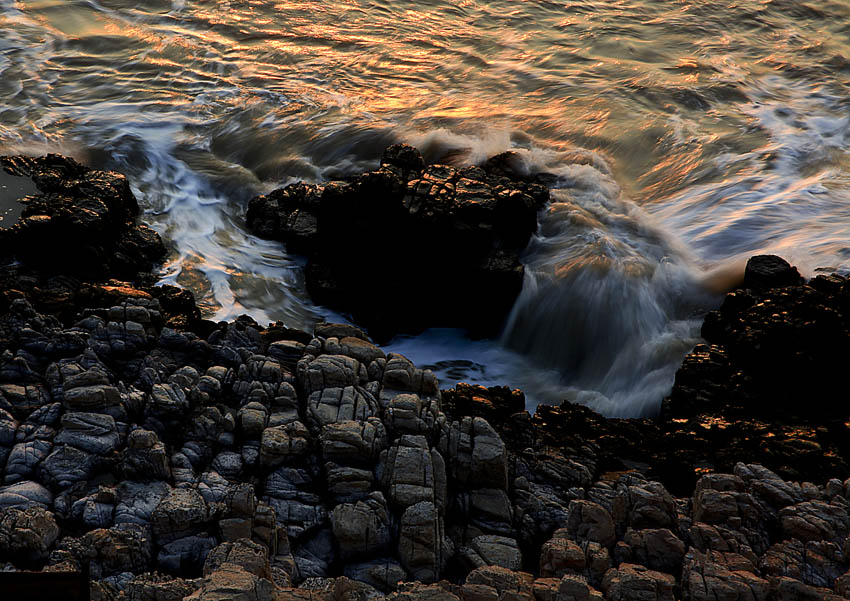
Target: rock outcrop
442, 243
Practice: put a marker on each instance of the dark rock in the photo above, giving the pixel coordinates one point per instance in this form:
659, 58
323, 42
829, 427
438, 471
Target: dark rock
375, 236
770, 271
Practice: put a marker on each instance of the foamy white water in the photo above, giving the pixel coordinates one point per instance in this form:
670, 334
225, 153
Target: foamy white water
685, 137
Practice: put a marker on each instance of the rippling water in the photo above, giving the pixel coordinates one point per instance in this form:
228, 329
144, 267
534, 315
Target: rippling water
686, 136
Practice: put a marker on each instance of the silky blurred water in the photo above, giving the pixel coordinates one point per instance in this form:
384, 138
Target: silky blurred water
686, 136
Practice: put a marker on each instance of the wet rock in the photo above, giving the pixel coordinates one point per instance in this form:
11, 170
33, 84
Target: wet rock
770, 271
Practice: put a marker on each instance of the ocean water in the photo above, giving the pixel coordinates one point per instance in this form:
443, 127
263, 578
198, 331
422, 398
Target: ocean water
685, 137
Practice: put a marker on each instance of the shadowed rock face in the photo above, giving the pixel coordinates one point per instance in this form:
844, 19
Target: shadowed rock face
410, 246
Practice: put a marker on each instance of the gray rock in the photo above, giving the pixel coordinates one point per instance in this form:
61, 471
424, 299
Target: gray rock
354, 443
492, 550
66, 466
479, 456
24, 458
332, 405
283, 443
145, 457
413, 473
410, 414
332, 371
422, 548
348, 484
185, 556
362, 529
137, 501
384, 574
90, 432
25, 494
649, 505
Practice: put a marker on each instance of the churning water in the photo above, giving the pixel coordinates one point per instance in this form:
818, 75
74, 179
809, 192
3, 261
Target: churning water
684, 136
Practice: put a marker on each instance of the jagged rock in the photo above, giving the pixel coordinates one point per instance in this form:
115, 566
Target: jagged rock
637, 582
560, 556
282, 443
590, 521
288, 491
704, 579
137, 501
67, 465
657, 549
107, 552
180, 513
185, 555
815, 520
145, 457
518, 585
248, 555
479, 454
24, 458
575, 588
817, 564
154, 587
363, 529
332, 371
27, 534
233, 583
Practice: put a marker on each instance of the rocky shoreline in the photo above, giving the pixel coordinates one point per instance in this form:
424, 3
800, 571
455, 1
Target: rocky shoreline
171, 457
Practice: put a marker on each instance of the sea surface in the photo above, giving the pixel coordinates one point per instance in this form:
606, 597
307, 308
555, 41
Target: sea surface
686, 136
